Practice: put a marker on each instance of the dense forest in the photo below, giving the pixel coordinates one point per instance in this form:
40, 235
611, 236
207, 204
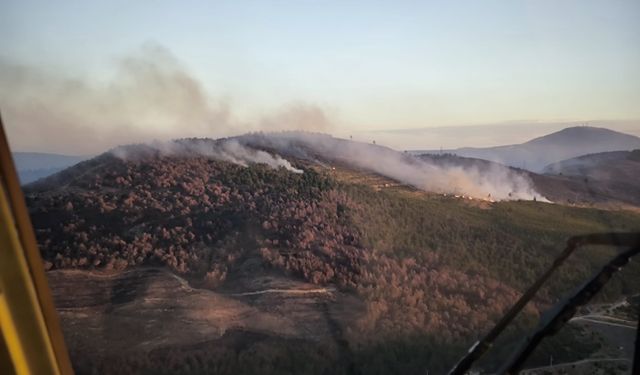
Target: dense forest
431, 271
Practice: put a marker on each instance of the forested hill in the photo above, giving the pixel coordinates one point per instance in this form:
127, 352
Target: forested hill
419, 264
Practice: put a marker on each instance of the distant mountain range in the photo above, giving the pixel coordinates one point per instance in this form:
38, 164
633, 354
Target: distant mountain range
32, 166
537, 153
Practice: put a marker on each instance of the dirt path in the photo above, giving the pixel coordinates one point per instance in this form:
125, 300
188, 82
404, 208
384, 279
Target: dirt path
535, 370
286, 291
605, 321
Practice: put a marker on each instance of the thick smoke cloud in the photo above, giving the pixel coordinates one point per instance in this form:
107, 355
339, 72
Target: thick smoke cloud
149, 95
496, 182
152, 96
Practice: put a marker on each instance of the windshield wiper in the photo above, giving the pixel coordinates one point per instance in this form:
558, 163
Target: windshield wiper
566, 310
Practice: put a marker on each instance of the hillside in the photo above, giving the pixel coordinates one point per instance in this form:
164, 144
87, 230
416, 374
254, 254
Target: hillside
622, 165
606, 180
537, 153
321, 273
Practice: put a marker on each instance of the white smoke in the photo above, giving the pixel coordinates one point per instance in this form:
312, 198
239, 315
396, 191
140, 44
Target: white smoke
234, 152
229, 150
496, 182
492, 181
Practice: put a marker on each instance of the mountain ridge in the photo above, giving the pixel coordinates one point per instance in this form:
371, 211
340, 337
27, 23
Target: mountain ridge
539, 152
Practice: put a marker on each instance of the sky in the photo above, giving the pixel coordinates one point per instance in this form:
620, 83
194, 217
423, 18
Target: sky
79, 77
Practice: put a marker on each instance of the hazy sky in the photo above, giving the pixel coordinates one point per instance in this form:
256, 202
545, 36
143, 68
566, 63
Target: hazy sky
79, 76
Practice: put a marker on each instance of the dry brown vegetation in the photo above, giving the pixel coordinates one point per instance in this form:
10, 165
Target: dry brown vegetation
422, 266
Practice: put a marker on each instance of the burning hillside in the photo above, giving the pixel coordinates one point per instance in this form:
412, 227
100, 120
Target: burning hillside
272, 148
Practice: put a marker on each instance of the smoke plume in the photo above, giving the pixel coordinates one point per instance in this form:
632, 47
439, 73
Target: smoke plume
493, 181
496, 182
229, 150
152, 96
146, 95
